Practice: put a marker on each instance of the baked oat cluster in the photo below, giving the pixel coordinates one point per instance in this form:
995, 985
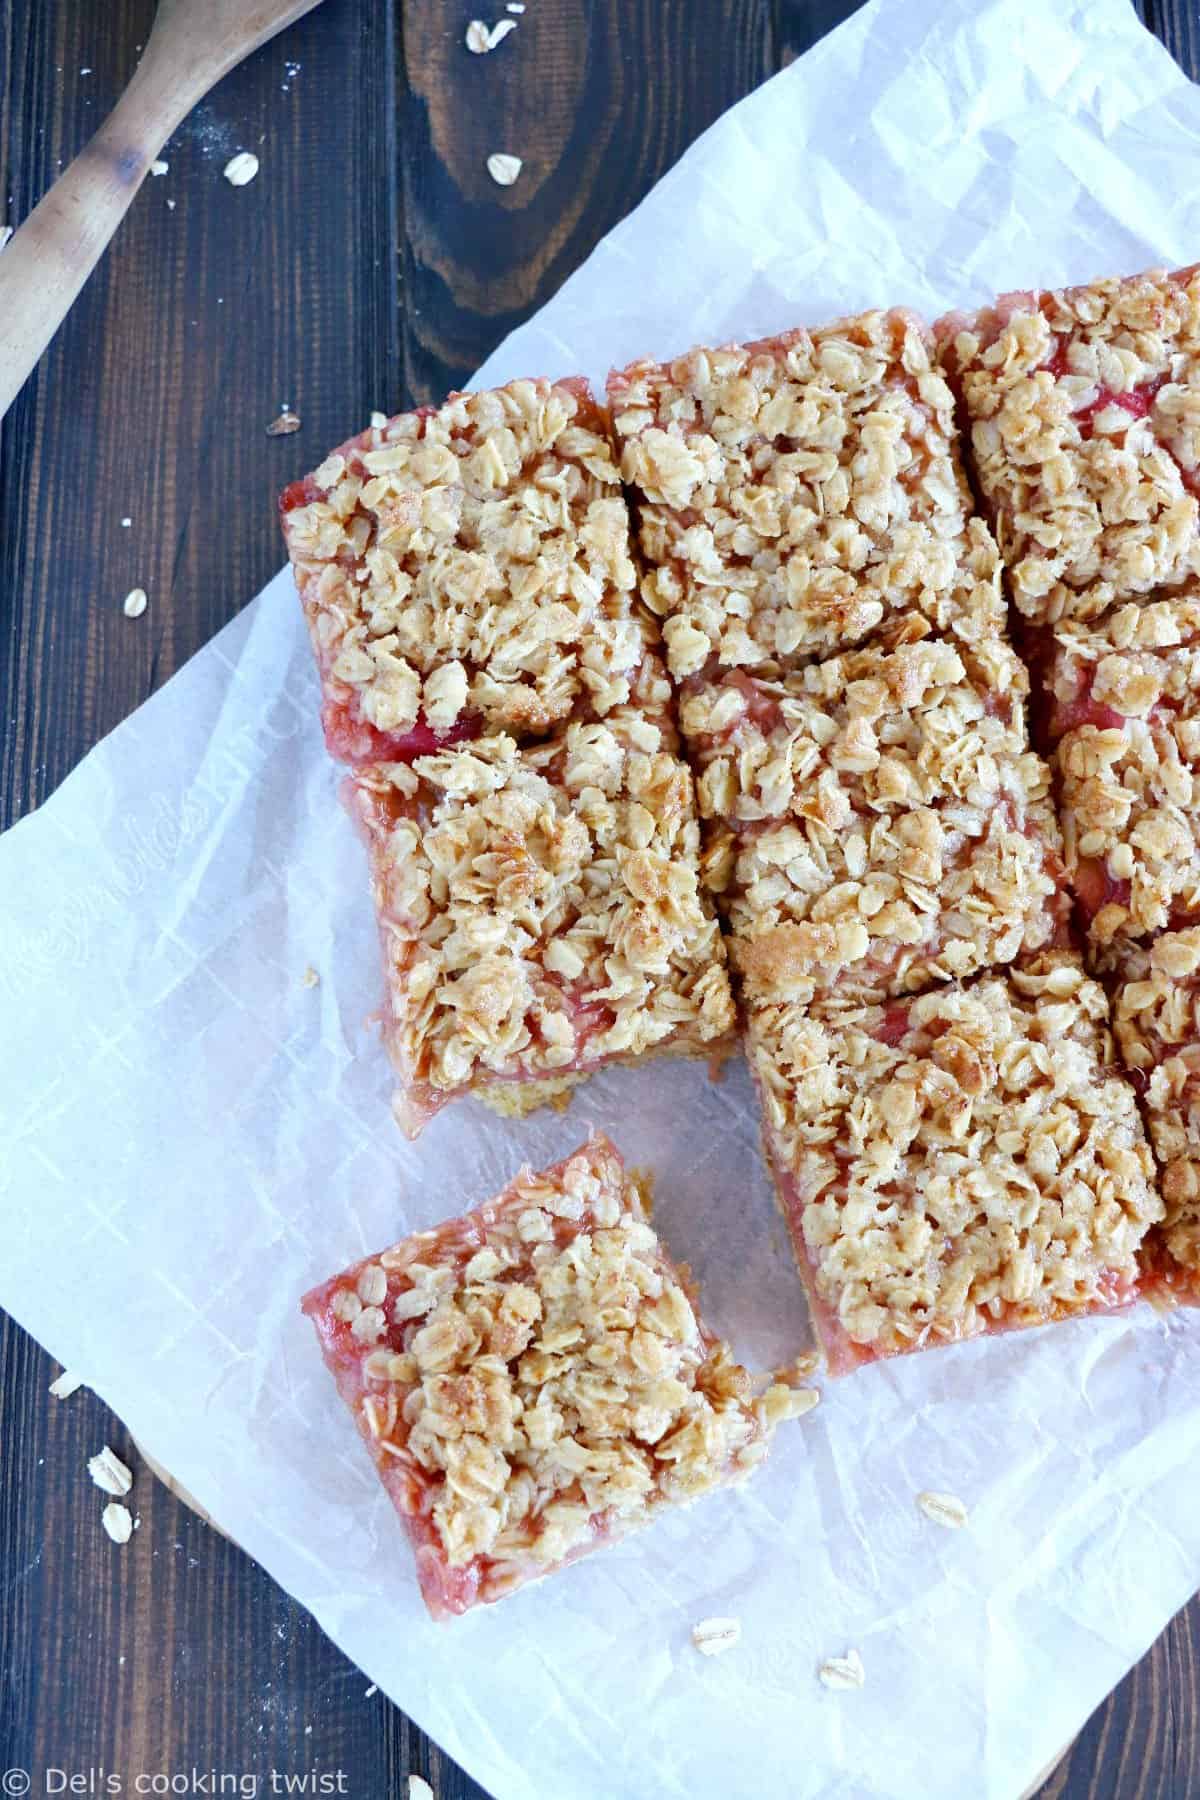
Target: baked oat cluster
541, 912
1084, 415
1156, 1008
533, 1381
963, 1162
467, 569
919, 910
795, 495
878, 821
1123, 697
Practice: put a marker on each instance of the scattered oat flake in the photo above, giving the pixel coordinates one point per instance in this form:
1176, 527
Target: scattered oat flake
480, 40
134, 603
843, 1672
503, 168
943, 1509
170, 206
712, 1636
64, 1385
6, 232
419, 1788
125, 524
311, 978
117, 1521
378, 421
109, 1472
515, 6
286, 423
241, 168
159, 167
371, 1692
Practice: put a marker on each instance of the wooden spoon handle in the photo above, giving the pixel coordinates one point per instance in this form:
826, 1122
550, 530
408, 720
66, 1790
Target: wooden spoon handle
193, 43
46, 263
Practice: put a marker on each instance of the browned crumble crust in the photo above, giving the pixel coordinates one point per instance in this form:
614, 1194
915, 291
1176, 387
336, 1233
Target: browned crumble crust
796, 494
1156, 1011
533, 1379
879, 822
1084, 410
961, 1162
540, 910
1124, 700
469, 563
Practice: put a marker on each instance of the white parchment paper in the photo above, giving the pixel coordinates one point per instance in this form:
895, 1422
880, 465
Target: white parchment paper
190, 1136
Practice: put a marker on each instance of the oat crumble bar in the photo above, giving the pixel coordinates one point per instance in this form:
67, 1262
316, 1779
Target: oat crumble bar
540, 913
965, 1162
1122, 705
1156, 1014
466, 569
876, 822
797, 494
533, 1380
1084, 415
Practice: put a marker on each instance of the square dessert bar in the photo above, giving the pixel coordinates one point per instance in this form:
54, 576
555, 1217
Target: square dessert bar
965, 1162
1122, 707
876, 822
796, 494
1084, 415
1156, 1013
466, 569
533, 1382
541, 914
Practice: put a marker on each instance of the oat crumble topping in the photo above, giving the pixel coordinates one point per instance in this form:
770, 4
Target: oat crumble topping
1156, 1014
468, 568
1084, 407
532, 1379
1124, 705
796, 494
962, 1162
540, 910
878, 821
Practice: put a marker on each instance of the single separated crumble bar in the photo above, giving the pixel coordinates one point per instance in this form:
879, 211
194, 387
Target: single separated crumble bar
465, 570
540, 914
533, 1380
1084, 415
1122, 706
966, 1162
1156, 1014
796, 494
878, 822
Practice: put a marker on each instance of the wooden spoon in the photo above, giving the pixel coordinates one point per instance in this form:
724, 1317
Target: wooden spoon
193, 43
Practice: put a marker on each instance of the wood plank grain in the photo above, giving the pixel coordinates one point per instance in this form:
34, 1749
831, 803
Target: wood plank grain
799, 24
206, 318
214, 306
598, 98
1177, 23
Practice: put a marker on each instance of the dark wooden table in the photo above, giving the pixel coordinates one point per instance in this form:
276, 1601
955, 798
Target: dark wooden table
372, 263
